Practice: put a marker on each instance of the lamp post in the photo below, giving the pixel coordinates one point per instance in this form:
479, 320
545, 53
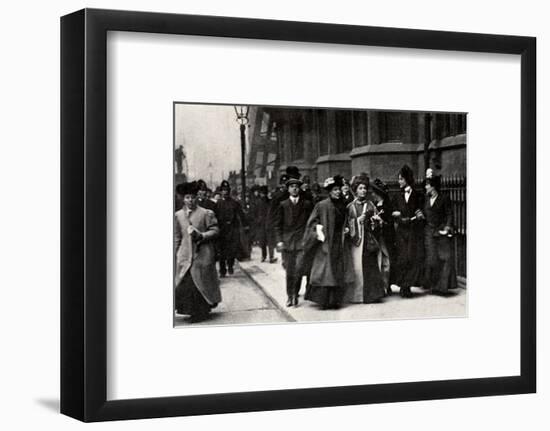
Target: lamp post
241, 111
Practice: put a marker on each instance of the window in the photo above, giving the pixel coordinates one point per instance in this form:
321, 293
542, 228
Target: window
322, 131
297, 140
344, 131
390, 127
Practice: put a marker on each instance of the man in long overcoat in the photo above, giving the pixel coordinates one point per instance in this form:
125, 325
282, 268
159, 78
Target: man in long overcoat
290, 222
230, 218
197, 287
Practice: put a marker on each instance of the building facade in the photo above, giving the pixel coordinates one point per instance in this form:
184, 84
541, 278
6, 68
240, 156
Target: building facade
325, 142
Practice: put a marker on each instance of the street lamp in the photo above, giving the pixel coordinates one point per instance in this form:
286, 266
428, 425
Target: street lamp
241, 111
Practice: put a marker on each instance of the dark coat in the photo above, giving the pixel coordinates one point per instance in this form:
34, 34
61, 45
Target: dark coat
440, 215
230, 218
440, 266
290, 223
409, 241
348, 199
387, 231
261, 210
321, 268
207, 204
276, 199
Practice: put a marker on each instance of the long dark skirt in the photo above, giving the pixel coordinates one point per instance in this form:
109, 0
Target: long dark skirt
325, 296
189, 300
331, 296
440, 273
409, 262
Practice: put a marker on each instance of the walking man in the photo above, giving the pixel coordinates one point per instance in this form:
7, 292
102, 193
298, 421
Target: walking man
264, 235
230, 217
289, 225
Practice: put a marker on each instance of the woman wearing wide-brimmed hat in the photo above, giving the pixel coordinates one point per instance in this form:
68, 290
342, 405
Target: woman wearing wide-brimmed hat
440, 272
324, 239
363, 222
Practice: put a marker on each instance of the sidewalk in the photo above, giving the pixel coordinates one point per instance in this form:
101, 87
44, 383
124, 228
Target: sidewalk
243, 302
270, 277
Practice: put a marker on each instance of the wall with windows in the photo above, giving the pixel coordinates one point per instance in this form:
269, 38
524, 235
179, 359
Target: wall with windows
325, 142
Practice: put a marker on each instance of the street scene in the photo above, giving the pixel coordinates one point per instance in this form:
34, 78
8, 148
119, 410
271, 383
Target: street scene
254, 296
286, 215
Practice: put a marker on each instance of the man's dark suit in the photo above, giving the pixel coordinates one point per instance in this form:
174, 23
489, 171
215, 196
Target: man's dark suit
289, 224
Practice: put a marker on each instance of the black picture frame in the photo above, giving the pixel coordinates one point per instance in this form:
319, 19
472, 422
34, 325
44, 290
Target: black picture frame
84, 214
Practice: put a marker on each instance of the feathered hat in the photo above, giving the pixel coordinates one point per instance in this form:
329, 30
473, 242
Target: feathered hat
335, 181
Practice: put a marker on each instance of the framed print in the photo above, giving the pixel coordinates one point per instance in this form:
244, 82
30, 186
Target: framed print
341, 205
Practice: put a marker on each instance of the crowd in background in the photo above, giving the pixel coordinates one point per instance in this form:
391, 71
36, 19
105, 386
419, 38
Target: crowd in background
351, 242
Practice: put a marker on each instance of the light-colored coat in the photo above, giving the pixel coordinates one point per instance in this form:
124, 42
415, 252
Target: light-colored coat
197, 257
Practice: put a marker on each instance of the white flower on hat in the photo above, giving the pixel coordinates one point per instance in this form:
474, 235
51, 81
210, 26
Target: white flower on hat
329, 181
429, 173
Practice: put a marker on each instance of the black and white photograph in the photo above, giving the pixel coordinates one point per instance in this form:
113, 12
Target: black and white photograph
271, 216
308, 214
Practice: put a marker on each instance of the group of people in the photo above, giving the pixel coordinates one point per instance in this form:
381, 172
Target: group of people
349, 240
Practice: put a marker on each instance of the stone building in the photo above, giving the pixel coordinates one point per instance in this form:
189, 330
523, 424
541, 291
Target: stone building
325, 142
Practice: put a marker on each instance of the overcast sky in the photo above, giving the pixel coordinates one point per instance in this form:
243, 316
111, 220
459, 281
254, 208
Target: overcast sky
209, 134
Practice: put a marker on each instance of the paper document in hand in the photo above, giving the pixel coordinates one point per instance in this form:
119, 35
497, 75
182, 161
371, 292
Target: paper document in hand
320, 234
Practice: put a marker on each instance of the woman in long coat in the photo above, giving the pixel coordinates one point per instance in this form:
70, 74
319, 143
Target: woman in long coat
440, 272
409, 241
197, 288
324, 238
363, 221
